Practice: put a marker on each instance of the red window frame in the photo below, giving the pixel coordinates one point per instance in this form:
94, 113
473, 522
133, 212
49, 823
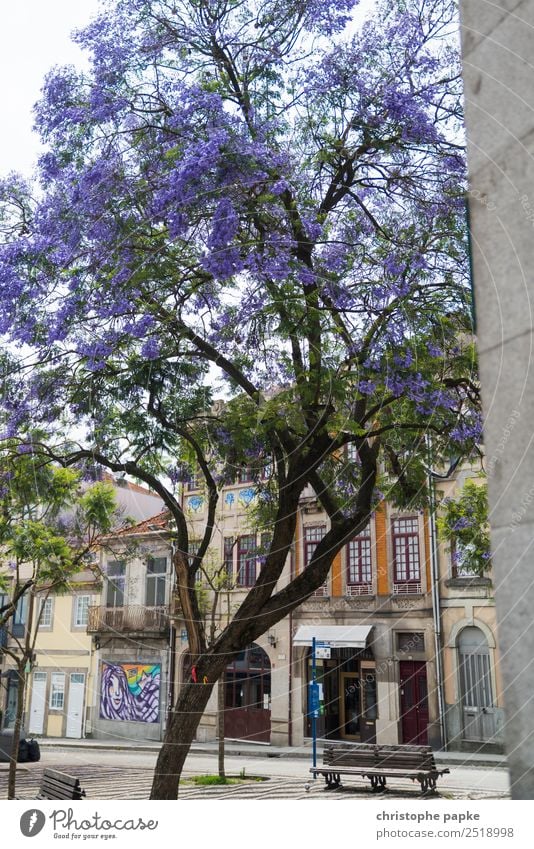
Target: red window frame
406, 550
359, 559
246, 560
313, 535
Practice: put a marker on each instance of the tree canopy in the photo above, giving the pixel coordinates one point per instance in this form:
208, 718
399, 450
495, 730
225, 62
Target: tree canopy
258, 202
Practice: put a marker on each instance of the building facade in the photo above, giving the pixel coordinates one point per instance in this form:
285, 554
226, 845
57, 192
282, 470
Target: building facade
63, 678
472, 684
375, 612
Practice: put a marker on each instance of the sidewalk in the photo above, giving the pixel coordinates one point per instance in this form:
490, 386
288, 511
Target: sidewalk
258, 750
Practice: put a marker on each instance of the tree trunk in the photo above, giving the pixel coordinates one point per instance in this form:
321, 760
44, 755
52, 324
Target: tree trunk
183, 723
12, 778
220, 724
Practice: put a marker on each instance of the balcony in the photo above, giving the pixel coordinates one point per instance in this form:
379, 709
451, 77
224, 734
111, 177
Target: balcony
321, 592
122, 620
407, 588
359, 589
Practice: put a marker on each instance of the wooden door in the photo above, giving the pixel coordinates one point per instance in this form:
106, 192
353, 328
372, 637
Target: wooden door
413, 702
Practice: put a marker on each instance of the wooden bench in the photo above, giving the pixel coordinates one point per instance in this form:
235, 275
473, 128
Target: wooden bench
378, 763
59, 785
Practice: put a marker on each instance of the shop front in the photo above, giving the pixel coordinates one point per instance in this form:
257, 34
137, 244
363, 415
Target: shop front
347, 680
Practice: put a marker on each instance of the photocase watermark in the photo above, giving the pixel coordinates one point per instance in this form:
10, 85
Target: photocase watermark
501, 445
67, 827
482, 199
32, 822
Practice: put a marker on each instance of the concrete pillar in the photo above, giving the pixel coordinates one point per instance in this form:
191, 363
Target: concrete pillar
498, 63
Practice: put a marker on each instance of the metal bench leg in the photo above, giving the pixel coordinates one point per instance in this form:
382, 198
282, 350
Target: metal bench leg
333, 780
428, 785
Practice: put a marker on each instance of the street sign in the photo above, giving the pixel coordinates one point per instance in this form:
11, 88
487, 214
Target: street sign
314, 698
323, 650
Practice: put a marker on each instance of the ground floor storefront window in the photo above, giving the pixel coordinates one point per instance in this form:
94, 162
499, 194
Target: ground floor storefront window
349, 698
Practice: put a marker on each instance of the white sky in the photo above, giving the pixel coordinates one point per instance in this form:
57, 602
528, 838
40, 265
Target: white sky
34, 36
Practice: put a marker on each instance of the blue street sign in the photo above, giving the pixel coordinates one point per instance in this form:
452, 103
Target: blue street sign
314, 698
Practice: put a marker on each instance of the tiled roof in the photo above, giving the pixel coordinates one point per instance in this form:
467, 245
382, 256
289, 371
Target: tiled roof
159, 522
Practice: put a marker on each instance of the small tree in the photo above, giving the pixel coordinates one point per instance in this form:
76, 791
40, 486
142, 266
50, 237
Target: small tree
248, 201
463, 523
48, 530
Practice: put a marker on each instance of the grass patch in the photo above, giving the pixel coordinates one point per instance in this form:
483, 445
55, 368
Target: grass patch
216, 780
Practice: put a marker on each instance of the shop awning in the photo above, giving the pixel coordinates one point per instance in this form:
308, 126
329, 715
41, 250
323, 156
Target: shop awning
337, 636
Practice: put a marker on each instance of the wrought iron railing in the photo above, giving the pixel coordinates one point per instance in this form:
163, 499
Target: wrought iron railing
134, 617
407, 588
359, 589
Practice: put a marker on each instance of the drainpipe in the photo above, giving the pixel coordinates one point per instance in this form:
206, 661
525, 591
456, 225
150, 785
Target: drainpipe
434, 561
290, 620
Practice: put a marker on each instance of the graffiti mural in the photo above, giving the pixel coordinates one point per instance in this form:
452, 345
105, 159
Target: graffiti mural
130, 691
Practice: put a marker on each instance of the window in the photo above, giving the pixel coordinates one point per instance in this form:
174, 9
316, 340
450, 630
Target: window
410, 642
246, 560
115, 587
46, 613
352, 453
245, 474
228, 554
57, 691
369, 695
407, 569
313, 535
460, 555
194, 481
193, 547
19, 617
359, 575
81, 610
156, 572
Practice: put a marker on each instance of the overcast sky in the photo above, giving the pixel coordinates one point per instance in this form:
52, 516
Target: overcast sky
34, 36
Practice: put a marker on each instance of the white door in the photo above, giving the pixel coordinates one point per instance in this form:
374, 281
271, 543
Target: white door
75, 706
37, 709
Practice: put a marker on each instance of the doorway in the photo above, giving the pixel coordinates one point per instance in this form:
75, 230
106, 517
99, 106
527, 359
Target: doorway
38, 703
414, 702
247, 696
475, 686
75, 705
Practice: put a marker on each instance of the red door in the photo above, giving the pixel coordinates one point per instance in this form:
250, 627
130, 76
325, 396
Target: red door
413, 702
247, 713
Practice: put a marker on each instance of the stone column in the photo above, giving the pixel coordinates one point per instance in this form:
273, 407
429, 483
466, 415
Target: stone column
498, 68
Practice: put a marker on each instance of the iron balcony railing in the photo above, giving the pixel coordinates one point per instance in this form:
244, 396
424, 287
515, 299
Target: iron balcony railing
134, 617
407, 588
359, 589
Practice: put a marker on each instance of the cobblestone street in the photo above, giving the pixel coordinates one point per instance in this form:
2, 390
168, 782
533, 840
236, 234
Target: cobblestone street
108, 782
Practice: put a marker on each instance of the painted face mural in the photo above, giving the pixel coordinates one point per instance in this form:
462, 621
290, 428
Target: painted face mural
130, 691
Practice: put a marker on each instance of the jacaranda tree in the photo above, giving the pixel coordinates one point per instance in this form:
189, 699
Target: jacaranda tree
259, 203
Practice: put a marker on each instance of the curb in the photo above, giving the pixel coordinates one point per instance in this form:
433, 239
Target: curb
452, 758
